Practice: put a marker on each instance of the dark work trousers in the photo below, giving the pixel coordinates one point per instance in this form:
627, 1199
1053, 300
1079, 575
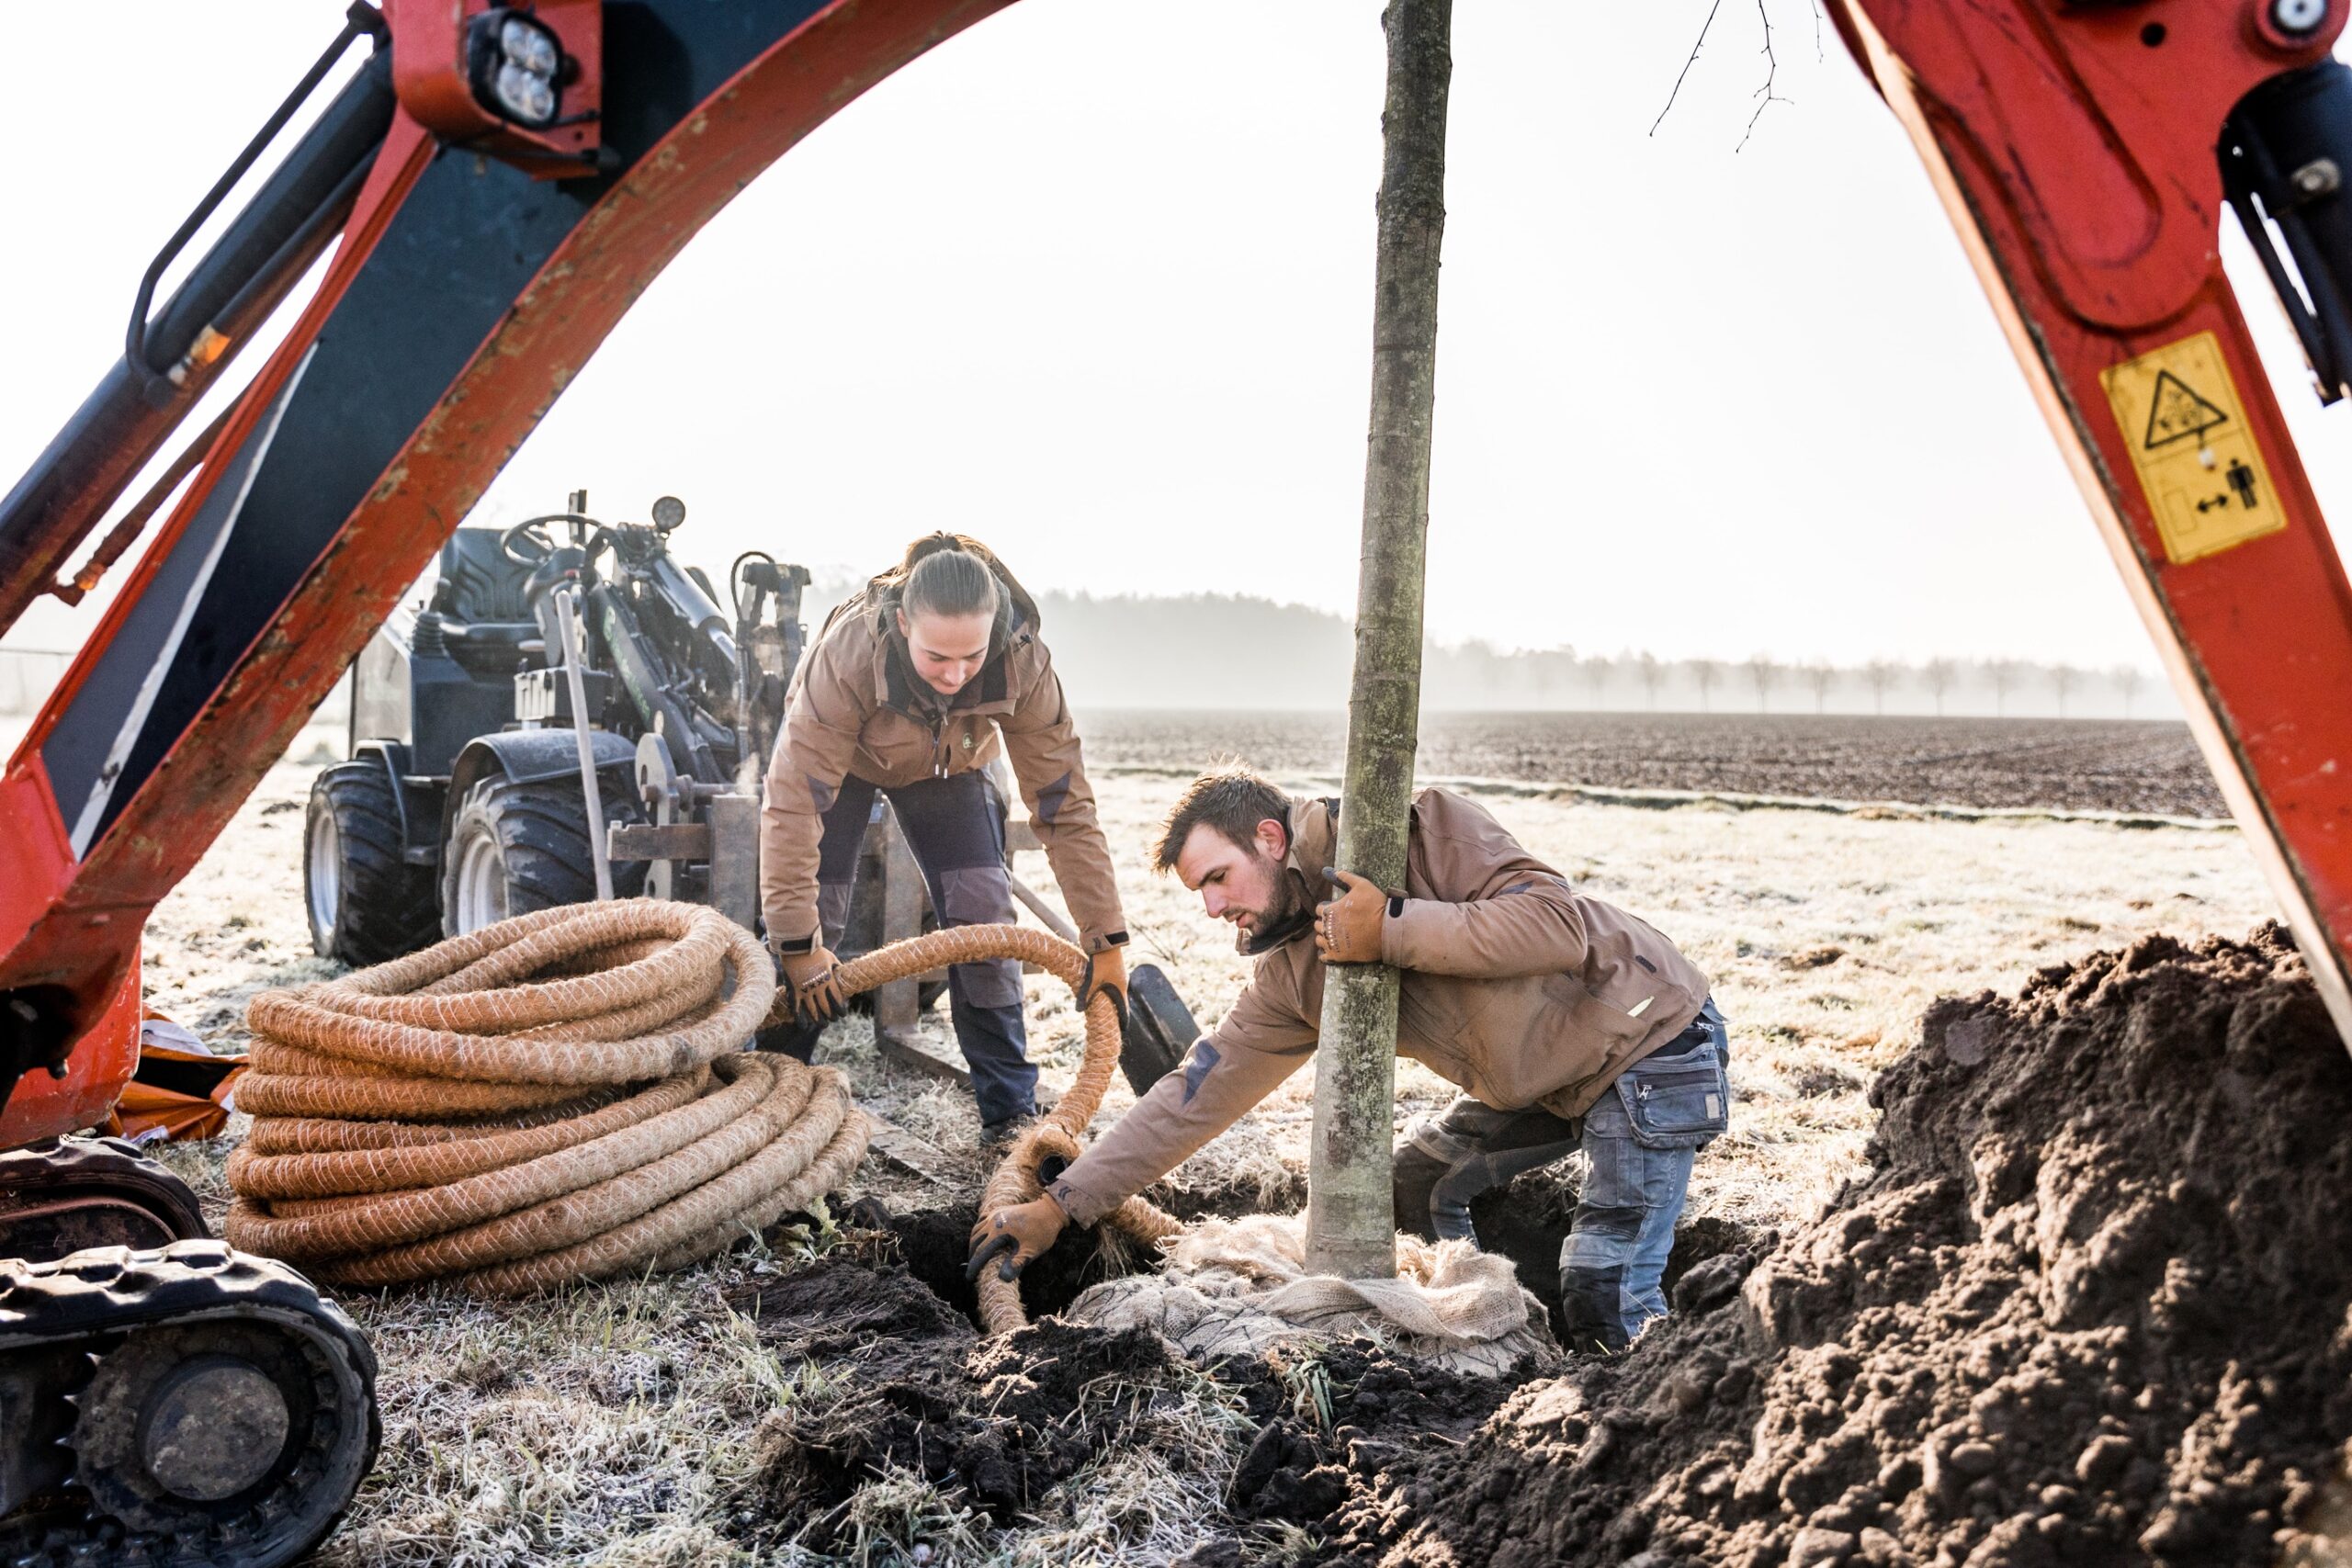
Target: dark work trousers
955, 827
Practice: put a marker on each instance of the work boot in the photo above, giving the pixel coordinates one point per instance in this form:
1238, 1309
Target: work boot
791, 1038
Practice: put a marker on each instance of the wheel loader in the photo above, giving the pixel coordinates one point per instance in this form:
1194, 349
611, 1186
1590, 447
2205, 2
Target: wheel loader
472, 793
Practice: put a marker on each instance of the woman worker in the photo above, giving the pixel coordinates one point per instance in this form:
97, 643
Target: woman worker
908, 689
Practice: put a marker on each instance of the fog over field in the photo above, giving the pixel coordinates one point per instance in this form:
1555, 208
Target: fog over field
1215, 651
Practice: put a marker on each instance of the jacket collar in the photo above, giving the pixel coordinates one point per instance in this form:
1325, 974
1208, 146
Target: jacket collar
1313, 835
1314, 838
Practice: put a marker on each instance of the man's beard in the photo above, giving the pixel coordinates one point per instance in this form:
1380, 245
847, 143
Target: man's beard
1288, 913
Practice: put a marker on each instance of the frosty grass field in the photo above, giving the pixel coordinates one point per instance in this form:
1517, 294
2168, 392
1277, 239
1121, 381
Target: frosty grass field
624, 1423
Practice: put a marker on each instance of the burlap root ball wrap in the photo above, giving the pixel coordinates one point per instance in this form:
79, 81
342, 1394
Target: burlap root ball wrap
564, 1096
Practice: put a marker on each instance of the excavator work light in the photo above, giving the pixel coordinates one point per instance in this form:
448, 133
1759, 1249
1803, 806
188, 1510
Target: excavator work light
515, 67
522, 83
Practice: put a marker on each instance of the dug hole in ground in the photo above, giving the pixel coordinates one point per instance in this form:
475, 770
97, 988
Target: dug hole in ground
2079, 1296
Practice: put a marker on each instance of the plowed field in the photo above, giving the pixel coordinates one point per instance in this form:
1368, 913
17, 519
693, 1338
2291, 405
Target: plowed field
2134, 768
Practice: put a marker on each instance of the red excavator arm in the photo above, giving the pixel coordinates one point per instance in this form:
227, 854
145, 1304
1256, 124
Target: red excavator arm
495, 227
2086, 149
486, 249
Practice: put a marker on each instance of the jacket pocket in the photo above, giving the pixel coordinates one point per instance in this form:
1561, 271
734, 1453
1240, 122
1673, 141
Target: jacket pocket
1434, 1025
896, 751
1680, 1101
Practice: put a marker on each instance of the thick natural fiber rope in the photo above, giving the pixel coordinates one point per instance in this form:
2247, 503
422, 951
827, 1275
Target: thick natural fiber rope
424, 1015
464, 1111
520, 1023
1058, 1131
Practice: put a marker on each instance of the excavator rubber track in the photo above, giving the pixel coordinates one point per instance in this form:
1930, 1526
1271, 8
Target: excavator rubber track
188, 1405
81, 1192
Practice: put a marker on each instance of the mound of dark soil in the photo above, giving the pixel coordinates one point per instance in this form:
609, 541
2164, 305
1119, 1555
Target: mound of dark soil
2089, 1309
901, 1379
1359, 1462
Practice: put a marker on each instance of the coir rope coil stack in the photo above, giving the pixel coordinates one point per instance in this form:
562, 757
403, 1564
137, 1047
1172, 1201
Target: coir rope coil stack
465, 1112
468, 1112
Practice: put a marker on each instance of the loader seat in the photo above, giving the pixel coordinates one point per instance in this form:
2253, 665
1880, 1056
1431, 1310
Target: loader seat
478, 583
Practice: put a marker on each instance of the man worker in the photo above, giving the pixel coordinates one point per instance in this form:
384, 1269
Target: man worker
1569, 1024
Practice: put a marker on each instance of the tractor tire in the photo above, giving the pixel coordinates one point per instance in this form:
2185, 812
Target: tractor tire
515, 848
367, 904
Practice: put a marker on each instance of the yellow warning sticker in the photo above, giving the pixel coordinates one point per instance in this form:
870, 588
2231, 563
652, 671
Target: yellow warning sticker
2204, 475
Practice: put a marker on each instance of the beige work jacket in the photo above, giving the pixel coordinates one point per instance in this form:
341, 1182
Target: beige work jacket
1516, 987
856, 707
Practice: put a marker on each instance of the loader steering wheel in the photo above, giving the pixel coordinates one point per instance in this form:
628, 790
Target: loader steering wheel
528, 544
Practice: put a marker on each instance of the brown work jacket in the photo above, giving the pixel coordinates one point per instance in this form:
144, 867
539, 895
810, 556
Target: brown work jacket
857, 707
1516, 987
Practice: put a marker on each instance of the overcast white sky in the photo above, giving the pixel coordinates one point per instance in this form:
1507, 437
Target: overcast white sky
1092, 282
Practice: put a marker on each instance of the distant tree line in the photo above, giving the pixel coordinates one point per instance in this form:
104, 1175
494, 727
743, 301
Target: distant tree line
1217, 650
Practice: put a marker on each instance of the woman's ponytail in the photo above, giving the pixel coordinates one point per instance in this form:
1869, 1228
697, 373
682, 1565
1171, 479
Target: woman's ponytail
942, 578
954, 574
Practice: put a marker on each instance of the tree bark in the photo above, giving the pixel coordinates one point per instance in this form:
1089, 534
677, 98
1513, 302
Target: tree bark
1350, 1225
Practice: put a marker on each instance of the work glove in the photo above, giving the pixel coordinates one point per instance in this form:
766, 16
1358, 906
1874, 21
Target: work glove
1347, 928
814, 977
1014, 1236
1105, 970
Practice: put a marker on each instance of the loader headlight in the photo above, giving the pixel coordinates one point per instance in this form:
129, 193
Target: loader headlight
515, 66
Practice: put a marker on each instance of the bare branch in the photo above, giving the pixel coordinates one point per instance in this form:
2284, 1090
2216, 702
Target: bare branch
1772, 76
1698, 44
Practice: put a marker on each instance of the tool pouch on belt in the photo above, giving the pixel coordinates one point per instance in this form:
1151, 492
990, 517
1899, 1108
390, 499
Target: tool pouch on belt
1679, 1098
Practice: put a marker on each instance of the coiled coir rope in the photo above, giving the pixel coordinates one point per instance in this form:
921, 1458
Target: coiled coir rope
464, 1111
371, 1162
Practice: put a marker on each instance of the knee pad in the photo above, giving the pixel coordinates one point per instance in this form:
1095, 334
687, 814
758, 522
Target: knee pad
975, 896
993, 985
1416, 1174
1604, 1222
1589, 1310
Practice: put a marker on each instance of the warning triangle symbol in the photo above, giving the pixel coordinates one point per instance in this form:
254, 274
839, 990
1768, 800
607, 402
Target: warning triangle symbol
2179, 413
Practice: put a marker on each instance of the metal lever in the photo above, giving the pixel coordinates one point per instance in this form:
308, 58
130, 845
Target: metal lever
567, 617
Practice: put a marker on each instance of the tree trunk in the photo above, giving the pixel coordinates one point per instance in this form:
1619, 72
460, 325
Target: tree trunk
1350, 1224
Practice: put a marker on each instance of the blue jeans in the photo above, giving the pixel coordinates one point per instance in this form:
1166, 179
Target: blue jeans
1639, 1140
954, 828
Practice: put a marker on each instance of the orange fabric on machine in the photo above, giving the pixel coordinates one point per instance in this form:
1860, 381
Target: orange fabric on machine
175, 1094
